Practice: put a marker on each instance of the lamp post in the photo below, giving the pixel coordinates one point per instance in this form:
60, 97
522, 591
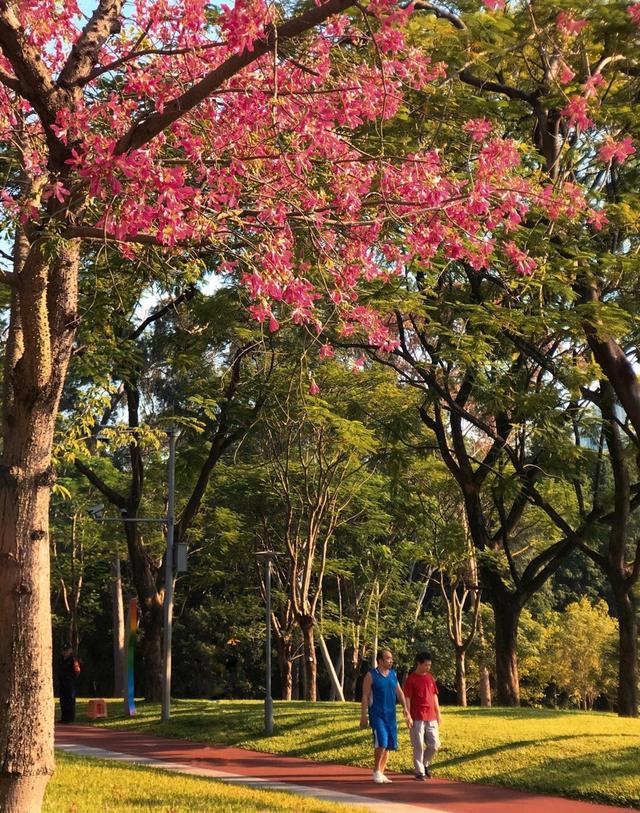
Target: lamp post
268, 700
168, 577
97, 512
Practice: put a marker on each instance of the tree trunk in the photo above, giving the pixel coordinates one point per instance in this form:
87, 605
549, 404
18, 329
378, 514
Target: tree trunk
310, 664
284, 649
118, 626
628, 653
461, 677
26, 688
485, 688
151, 648
352, 666
483, 678
41, 332
507, 682
145, 574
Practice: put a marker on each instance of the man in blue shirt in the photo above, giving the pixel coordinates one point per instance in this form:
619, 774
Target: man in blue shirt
380, 689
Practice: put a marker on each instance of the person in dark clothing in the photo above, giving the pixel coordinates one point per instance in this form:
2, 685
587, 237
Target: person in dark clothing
68, 670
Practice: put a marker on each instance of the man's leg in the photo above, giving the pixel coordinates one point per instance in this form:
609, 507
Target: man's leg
416, 732
380, 752
381, 755
432, 740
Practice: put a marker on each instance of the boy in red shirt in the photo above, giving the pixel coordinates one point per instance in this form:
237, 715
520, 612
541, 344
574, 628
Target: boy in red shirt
422, 693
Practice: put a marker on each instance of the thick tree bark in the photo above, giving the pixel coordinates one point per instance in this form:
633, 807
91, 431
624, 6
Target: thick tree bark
284, 649
37, 356
628, 652
151, 647
507, 682
26, 694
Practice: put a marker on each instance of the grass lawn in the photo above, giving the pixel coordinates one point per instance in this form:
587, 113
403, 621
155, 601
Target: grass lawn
102, 786
587, 755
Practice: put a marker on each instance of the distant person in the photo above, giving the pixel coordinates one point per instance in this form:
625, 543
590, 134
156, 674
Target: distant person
68, 671
380, 690
422, 695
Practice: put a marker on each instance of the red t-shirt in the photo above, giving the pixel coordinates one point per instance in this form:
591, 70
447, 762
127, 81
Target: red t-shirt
421, 690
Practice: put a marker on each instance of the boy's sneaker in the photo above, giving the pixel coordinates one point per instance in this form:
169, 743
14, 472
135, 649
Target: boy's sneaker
378, 777
419, 777
386, 779
427, 772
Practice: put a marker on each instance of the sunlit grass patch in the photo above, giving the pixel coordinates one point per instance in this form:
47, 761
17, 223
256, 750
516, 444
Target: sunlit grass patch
588, 755
84, 785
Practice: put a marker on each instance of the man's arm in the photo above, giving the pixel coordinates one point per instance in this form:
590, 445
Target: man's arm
405, 705
364, 705
436, 704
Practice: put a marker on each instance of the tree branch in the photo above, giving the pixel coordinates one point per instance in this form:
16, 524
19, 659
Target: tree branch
144, 131
443, 14
469, 78
111, 494
158, 314
85, 51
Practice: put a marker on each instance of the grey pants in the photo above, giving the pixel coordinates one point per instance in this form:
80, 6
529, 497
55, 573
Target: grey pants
425, 739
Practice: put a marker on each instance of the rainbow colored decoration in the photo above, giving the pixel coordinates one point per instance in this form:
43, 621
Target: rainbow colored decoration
130, 703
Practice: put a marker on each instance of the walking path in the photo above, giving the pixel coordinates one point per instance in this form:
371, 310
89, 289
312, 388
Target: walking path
338, 783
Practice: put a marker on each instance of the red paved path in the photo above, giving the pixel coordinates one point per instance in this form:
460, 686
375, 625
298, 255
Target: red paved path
443, 794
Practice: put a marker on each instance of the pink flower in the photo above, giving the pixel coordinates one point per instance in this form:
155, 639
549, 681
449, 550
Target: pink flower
592, 83
597, 218
566, 74
576, 113
273, 324
326, 351
314, 389
478, 129
494, 5
523, 263
569, 25
634, 13
613, 150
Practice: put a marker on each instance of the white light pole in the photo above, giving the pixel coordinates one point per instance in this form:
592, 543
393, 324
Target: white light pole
168, 577
268, 700
97, 512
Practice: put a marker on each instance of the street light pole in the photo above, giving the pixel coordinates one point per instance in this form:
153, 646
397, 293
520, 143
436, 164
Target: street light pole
168, 581
268, 700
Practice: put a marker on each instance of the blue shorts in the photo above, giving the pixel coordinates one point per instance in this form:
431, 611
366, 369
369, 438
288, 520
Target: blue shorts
385, 733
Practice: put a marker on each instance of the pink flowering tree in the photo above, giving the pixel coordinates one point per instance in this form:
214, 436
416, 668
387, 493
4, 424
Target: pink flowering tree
237, 132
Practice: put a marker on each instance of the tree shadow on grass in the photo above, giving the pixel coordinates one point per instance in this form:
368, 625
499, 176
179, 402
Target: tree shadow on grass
542, 742
612, 777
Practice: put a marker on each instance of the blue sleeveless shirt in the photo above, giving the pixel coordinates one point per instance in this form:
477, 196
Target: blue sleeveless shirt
382, 702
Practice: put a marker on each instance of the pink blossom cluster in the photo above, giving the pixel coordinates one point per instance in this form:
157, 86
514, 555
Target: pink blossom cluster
478, 128
576, 112
634, 13
570, 25
274, 173
618, 151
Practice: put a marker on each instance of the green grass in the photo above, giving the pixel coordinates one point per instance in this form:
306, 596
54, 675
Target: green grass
101, 786
588, 755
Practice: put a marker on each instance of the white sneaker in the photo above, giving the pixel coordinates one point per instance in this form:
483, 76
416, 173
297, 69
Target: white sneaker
386, 779
379, 777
